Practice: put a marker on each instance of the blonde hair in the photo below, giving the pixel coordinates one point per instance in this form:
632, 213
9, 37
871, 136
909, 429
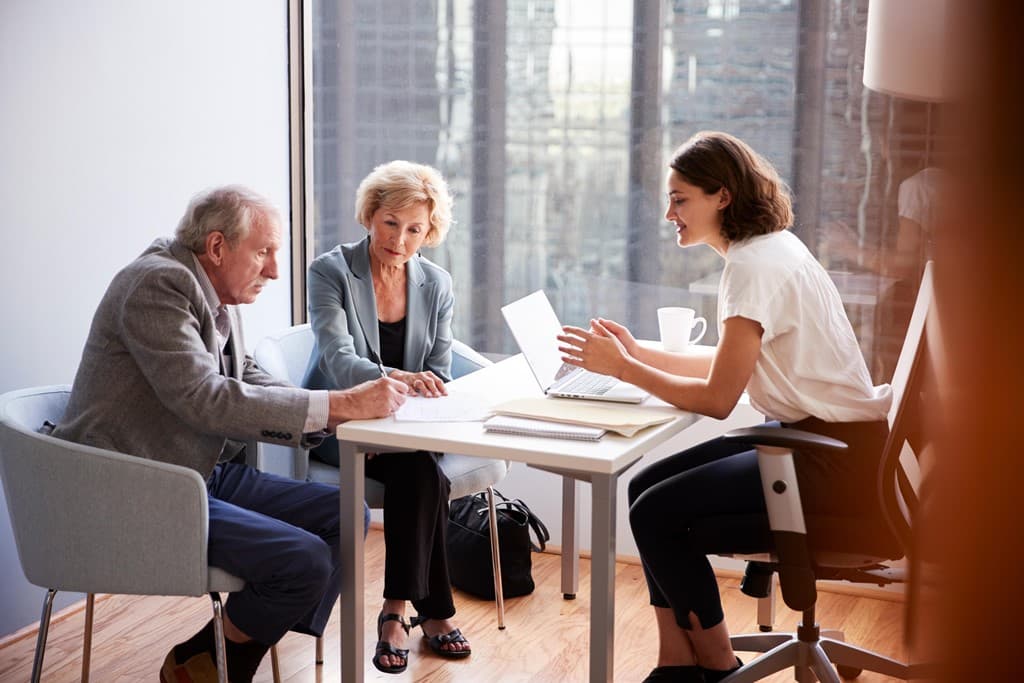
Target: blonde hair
401, 184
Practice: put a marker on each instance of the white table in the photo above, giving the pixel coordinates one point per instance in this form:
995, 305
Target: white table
599, 463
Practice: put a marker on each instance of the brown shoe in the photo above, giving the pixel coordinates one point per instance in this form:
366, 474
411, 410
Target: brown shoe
197, 669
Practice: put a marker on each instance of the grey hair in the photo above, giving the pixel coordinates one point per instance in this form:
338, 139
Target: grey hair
231, 210
401, 184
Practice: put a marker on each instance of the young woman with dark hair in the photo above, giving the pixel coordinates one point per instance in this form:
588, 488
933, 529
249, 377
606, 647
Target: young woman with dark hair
785, 340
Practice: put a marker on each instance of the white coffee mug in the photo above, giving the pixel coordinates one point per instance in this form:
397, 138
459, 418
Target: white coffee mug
676, 325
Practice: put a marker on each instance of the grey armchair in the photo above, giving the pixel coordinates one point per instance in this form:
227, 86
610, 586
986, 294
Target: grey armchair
286, 354
90, 520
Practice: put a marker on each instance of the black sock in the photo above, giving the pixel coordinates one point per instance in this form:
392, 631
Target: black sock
244, 659
199, 643
715, 675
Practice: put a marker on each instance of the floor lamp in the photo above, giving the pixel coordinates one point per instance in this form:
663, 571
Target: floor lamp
907, 53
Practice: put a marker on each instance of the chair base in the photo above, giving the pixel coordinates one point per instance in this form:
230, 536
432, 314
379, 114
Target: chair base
44, 629
90, 601
813, 658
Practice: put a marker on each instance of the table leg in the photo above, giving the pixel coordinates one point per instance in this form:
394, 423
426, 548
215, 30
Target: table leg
570, 539
351, 472
602, 578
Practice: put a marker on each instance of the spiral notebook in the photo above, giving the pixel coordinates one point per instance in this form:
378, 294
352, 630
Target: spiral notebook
524, 426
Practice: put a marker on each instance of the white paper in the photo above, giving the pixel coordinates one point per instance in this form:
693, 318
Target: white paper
456, 407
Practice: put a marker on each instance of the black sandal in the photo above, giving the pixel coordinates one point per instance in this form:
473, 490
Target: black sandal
675, 674
385, 648
437, 643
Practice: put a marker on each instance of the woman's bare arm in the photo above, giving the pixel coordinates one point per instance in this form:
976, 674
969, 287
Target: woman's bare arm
714, 394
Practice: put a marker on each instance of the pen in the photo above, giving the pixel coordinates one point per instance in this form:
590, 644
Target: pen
374, 356
380, 366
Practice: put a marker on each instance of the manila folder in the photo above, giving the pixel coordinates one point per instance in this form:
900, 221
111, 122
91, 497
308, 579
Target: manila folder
624, 420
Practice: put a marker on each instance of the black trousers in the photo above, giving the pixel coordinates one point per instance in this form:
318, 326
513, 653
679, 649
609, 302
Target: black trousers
717, 479
415, 526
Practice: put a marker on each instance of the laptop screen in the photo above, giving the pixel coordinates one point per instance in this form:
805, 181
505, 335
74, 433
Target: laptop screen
534, 325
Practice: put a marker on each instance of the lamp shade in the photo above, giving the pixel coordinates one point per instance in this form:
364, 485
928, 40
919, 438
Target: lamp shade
907, 49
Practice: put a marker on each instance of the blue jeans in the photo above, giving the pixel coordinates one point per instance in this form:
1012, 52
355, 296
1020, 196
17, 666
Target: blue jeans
281, 536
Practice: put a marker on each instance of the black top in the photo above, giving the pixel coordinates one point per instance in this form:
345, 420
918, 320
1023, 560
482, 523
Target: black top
392, 343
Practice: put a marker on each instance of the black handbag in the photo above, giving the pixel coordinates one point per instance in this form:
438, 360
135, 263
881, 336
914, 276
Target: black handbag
469, 545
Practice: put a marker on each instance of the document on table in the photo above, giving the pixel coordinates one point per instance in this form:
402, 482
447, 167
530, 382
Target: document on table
624, 420
455, 407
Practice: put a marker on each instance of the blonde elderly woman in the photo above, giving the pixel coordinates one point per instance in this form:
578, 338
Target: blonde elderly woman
378, 307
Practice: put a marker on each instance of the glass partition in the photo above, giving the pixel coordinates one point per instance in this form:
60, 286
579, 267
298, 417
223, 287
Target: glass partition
553, 121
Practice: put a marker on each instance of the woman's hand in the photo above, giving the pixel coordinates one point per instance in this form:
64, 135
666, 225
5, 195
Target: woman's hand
421, 383
597, 349
618, 331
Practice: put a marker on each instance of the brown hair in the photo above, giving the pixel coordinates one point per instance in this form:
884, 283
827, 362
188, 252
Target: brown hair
759, 200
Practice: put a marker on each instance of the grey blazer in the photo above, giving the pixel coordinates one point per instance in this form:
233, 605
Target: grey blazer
150, 383
343, 315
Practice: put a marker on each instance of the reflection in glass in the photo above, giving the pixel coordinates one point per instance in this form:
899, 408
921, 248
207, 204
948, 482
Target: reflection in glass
552, 121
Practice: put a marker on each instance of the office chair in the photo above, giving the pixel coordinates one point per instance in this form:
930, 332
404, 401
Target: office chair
815, 547
286, 354
90, 520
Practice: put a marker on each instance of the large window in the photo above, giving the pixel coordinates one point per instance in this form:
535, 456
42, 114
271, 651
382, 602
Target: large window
553, 121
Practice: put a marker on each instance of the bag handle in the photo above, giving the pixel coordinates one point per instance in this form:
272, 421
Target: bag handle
539, 529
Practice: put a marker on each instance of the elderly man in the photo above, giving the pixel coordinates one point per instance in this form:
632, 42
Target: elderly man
164, 375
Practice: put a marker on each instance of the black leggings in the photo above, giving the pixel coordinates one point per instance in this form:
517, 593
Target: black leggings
718, 479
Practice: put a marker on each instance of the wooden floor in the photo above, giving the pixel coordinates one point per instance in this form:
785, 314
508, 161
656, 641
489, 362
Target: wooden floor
545, 640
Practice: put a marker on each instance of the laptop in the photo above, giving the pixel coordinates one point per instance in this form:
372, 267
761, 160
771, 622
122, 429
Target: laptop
534, 325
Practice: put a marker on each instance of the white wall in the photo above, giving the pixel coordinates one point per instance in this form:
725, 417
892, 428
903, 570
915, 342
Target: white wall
112, 114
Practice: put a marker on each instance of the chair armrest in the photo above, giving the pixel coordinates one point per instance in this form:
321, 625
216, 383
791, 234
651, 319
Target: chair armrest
783, 437
775, 448
113, 523
284, 461
465, 359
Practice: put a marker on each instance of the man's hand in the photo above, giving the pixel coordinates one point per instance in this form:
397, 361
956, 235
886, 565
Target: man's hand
377, 398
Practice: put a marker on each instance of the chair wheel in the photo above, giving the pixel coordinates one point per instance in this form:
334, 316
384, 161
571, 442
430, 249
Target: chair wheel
849, 671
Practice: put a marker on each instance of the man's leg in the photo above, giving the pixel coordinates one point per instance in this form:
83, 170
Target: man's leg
280, 536
310, 507
285, 569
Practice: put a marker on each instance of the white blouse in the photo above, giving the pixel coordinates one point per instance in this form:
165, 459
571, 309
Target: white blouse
810, 362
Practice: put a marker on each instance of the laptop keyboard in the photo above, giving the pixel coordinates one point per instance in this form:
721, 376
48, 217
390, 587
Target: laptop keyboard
589, 383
